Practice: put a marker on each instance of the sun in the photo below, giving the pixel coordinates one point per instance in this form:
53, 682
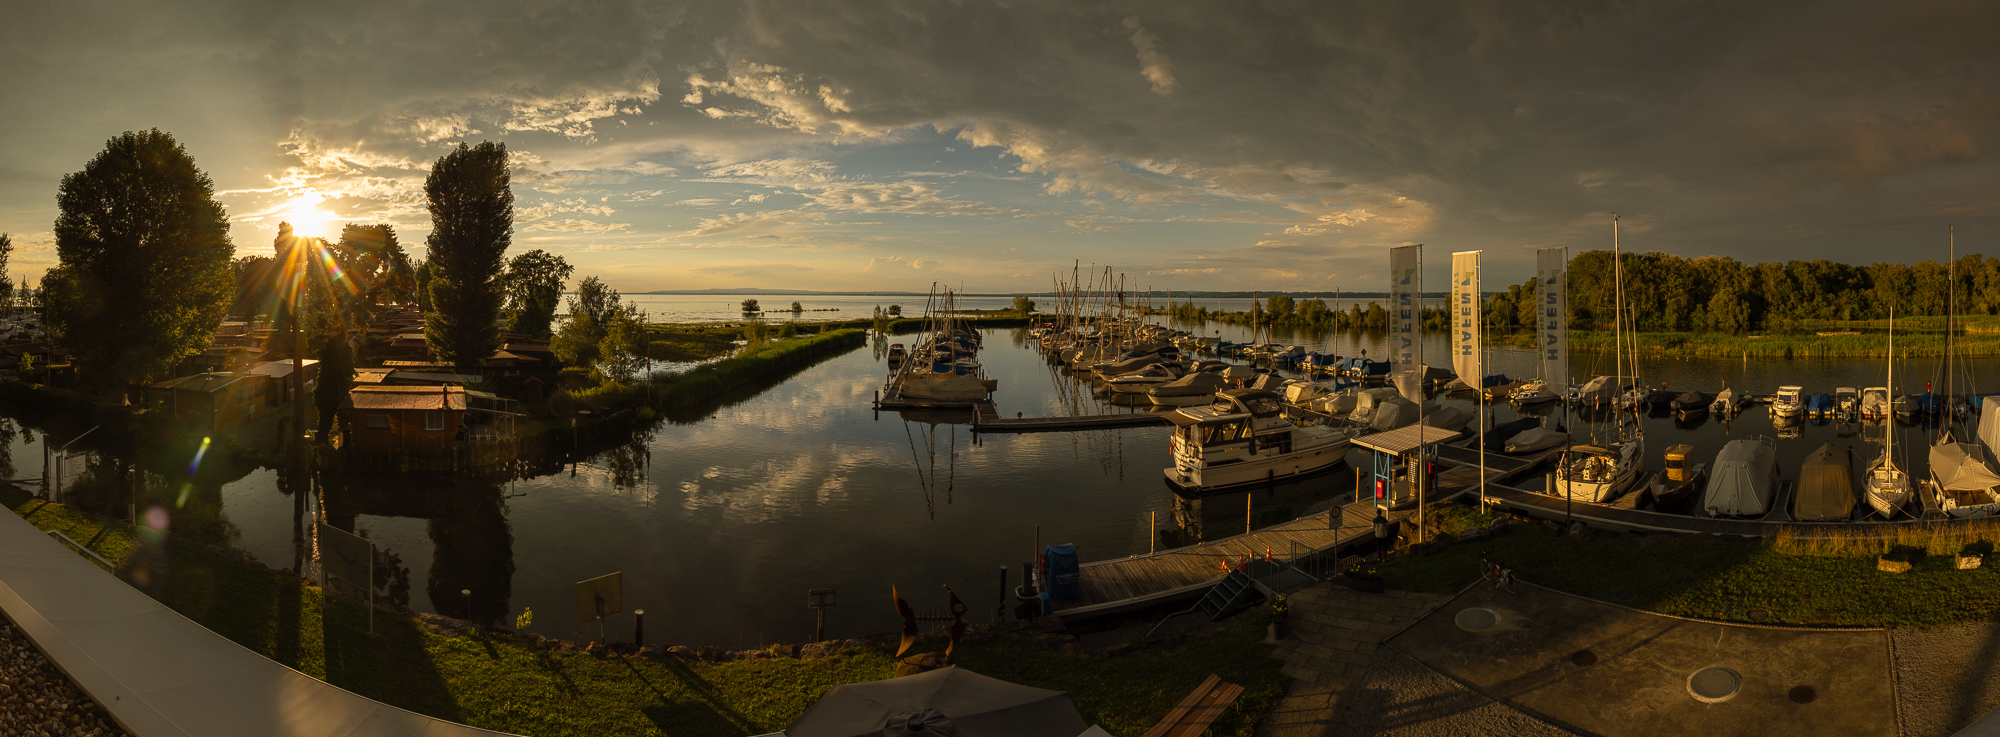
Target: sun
306, 218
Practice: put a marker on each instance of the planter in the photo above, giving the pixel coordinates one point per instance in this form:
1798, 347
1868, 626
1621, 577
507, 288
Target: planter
1368, 585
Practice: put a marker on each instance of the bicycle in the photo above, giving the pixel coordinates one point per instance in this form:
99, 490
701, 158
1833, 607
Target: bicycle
1492, 570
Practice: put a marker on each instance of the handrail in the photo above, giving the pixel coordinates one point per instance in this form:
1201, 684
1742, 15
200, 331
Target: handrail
86, 551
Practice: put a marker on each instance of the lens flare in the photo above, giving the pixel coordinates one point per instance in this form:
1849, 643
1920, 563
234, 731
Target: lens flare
196, 464
156, 519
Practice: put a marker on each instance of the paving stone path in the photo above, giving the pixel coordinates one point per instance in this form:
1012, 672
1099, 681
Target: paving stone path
1334, 632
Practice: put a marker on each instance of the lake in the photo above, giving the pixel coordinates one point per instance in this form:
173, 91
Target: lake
722, 516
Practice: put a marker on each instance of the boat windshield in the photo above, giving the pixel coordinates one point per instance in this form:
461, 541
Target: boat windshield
1217, 433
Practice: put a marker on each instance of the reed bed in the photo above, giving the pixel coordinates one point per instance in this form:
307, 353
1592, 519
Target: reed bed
1943, 538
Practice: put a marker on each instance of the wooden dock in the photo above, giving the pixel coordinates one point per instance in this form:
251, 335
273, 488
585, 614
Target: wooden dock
1142, 581
1084, 422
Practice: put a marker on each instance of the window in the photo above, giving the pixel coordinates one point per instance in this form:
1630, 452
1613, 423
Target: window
378, 422
433, 420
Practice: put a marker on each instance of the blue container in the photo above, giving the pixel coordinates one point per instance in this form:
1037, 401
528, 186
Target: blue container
1064, 574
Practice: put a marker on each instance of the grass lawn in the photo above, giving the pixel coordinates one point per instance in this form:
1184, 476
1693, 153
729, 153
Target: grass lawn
500, 683
1718, 579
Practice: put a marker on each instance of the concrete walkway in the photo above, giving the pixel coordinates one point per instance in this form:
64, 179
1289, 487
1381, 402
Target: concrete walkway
1334, 633
1600, 669
158, 673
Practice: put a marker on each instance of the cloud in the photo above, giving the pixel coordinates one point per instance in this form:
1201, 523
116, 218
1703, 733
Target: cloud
571, 225
762, 223
820, 182
1153, 63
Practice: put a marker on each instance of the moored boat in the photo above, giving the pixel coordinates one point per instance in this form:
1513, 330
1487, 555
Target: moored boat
1790, 401
1241, 439
1826, 486
1187, 391
1743, 480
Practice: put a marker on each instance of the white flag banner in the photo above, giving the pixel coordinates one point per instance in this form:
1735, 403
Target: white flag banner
1405, 283
1552, 268
1465, 317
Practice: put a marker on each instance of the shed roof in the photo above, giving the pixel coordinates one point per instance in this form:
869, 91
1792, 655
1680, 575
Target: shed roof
210, 382
1406, 439
408, 397
279, 369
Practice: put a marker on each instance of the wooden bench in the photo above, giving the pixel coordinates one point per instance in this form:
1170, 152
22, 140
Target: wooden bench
1198, 710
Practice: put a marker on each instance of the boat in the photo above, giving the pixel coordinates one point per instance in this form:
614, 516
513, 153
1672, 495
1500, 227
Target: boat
1681, 480
1365, 402
1790, 401
1875, 403
1595, 473
1885, 487
1137, 382
1819, 405
1534, 440
1598, 392
1727, 403
896, 353
1241, 439
1846, 403
1743, 480
1393, 412
1533, 391
1826, 486
1187, 391
1962, 480
1690, 403
1448, 418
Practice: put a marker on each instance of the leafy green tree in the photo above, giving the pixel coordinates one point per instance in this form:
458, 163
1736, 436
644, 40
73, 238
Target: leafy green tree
534, 286
1280, 306
622, 351
6, 283
750, 305
144, 275
379, 265
591, 312
796, 307
420, 274
1023, 305
895, 310
336, 376
472, 223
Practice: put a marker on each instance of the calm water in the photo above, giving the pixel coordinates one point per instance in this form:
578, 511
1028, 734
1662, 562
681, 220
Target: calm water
722, 516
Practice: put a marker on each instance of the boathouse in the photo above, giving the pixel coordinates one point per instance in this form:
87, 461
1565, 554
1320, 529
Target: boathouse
282, 388
212, 402
402, 418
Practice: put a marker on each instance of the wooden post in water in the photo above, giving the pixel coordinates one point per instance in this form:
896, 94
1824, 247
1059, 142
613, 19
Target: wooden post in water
1153, 534
1248, 496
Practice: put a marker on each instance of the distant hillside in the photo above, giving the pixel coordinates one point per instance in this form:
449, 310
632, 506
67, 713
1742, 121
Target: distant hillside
1130, 296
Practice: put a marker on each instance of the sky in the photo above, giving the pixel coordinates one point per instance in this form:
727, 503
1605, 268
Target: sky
893, 144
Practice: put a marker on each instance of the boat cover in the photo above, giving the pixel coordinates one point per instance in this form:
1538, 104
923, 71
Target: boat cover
1826, 486
1534, 439
1129, 365
1600, 387
1269, 382
1961, 467
1739, 484
1449, 418
1392, 413
1190, 385
1300, 392
1238, 372
1065, 572
1989, 431
1366, 400
1410, 384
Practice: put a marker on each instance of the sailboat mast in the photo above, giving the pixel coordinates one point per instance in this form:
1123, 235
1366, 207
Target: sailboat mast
1617, 309
1950, 313
1889, 435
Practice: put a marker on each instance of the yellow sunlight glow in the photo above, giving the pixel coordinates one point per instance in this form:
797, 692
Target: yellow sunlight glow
307, 219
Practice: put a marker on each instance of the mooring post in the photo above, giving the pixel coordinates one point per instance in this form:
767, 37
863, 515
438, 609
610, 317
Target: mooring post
1247, 498
1153, 533
638, 628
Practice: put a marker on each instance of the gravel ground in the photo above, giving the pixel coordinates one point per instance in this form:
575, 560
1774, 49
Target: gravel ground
1402, 698
36, 700
1946, 677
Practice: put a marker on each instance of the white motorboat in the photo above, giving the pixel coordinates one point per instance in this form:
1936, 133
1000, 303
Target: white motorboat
1790, 402
1594, 473
1727, 403
1846, 402
1137, 382
1533, 391
1241, 440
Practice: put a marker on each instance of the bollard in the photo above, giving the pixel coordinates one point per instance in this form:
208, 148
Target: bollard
638, 628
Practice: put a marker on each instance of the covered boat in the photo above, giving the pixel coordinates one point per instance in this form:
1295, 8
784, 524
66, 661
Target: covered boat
1449, 418
1744, 478
1535, 439
1819, 405
1690, 403
1366, 400
1392, 413
1826, 486
1188, 390
1963, 481
1597, 392
1875, 402
1727, 402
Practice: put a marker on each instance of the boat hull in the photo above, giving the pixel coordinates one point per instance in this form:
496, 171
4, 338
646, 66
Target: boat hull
1256, 471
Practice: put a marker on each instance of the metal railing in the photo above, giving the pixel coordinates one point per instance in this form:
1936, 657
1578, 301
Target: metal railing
82, 549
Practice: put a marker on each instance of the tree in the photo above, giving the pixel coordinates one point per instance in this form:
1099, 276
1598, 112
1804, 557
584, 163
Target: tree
420, 274
534, 285
895, 310
144, 253
591, 312
336, 375
6, 283
1023, 305
797, 308
472, 223
622, 351
380, 265
1279, 305
750, 305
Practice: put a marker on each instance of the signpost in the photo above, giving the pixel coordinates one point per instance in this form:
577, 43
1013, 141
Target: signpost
347, 557
598, 598
820, 600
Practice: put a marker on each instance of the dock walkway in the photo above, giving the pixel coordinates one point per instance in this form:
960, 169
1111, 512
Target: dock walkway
1141, 581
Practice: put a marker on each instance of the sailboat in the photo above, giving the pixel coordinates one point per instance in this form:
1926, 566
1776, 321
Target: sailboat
1961, 476
1600, 473
1887, 487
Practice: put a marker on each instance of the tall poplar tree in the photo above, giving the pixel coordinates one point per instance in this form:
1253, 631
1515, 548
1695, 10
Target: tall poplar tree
472, 223
144, 275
